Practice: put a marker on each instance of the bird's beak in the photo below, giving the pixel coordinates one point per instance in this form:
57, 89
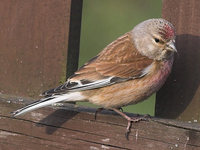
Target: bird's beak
171, 46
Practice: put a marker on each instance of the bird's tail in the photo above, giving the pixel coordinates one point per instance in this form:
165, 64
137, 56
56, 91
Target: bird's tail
48, 101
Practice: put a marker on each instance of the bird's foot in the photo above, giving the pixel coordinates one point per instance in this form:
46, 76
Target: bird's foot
130, 120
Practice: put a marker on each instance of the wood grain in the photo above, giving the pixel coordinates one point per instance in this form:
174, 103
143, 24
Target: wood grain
72, 127
33, 45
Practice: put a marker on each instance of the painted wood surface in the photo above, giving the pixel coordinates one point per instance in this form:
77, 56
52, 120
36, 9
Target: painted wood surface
72, 127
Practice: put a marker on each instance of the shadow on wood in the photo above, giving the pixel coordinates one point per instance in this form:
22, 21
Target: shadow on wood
72, 127
52, 119
182, 86
179, 98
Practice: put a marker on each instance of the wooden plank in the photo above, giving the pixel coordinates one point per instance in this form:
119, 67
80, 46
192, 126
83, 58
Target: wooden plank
179, 98
33, 43
72, 127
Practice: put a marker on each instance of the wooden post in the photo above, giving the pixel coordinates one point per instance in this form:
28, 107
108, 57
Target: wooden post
74, 37
34, 44
180, 96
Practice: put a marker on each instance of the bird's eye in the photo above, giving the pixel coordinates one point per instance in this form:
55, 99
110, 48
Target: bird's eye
157, 40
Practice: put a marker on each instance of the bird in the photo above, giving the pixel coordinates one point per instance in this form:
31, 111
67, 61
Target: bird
127, 71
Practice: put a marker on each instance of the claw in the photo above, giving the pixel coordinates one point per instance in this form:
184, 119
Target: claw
128, 129
147, 116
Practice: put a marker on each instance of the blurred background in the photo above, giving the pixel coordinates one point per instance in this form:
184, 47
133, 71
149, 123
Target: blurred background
104, 21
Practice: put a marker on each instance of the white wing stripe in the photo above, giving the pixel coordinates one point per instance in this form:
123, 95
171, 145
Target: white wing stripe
92, 85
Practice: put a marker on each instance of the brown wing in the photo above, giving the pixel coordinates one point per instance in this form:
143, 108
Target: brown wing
119, 61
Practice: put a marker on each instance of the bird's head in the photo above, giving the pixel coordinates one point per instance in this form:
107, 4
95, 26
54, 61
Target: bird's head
155, 38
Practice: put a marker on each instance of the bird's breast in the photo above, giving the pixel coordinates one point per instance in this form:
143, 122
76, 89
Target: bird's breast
158, 76
132, 91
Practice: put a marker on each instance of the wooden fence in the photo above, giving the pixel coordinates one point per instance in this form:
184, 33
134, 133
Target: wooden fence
39, 43
34, 44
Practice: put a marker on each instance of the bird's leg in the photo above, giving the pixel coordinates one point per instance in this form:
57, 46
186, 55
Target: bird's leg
97, 111
100, 109
129, 119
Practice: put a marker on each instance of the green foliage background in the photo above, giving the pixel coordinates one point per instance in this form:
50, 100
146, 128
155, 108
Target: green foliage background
105, 20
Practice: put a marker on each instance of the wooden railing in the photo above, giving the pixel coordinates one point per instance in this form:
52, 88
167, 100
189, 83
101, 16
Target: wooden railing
71, 127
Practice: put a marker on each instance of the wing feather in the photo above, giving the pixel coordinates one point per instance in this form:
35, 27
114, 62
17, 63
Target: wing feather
119, 61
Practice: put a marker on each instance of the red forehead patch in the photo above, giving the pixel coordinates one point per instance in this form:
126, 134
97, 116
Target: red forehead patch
169, 31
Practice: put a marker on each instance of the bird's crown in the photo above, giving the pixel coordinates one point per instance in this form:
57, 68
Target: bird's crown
161, 26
